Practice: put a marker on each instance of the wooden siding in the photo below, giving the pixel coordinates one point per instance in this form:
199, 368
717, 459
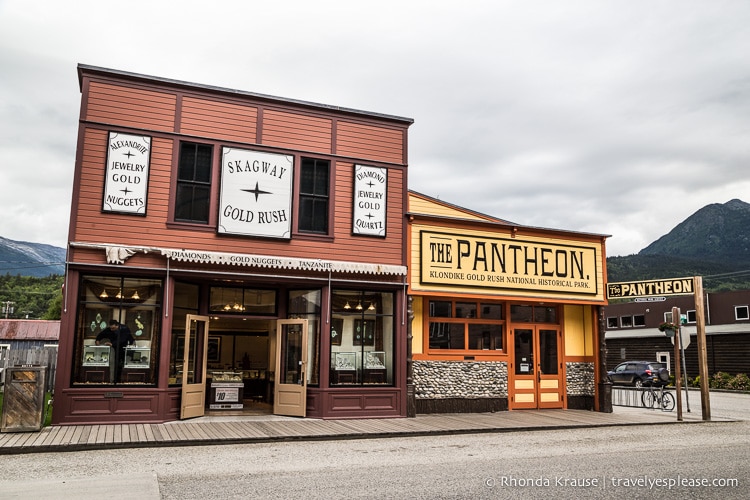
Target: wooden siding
296, 131
370, 142
131, 107
725, 353
216, 117
419, 205
94, 226
218, 120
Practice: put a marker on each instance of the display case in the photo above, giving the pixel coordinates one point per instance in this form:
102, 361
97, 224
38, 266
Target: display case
96, 355
344, 368
227, 391
374, 371
137, 357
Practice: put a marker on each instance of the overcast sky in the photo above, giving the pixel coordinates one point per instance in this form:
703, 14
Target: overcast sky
609, 117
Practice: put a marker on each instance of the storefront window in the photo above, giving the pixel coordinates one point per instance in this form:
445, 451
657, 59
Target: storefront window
246, 301
305, 304
117, 331
464, 325
362, 343
533, 314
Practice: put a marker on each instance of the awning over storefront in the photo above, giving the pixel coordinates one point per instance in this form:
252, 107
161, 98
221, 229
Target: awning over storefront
118, 254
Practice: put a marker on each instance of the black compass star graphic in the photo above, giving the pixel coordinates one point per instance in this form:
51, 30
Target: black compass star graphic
371, 184
126, 190
256, 191
129, 154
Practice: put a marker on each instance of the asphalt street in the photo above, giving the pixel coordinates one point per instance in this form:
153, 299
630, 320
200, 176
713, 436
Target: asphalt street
692, 460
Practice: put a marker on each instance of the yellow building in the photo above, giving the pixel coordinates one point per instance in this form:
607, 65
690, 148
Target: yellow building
505, 316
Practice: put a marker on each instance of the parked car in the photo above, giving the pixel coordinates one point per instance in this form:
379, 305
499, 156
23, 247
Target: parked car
636, 373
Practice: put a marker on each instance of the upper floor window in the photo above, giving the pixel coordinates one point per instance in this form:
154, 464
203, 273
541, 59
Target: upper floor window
465, 325
741, 313
314, 195
533, 314
193, 195
691, 318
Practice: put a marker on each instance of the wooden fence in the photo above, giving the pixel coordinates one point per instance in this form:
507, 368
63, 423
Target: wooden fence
46, 356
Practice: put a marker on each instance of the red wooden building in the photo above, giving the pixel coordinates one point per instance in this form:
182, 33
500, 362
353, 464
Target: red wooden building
251, 250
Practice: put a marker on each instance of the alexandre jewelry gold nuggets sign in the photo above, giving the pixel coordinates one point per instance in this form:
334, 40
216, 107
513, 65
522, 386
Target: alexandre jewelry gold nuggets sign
512, 263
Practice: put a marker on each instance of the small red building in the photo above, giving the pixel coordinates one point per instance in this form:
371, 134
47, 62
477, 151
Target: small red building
231, 250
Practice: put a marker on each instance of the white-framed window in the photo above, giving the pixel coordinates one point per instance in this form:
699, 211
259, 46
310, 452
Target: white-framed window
626, 321
613, 322
639, 320
691, 317
742, 313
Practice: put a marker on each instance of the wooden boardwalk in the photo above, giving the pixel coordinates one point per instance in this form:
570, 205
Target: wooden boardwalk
269, 428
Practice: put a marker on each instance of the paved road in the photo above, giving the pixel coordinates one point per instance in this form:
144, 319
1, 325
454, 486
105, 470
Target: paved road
667, 461
692, 460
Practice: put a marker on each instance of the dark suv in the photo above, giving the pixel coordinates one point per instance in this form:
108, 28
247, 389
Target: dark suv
636, 373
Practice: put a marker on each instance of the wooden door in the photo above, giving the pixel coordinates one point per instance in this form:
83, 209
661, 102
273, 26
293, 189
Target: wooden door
290, 390
193, 400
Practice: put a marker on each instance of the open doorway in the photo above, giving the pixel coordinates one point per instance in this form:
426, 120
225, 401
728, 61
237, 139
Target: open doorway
240, 365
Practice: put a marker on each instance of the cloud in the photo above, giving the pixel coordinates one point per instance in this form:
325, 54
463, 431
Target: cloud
573, 115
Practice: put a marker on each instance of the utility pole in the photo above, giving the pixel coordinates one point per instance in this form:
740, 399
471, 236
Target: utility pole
677, 368
700, 320
8, 308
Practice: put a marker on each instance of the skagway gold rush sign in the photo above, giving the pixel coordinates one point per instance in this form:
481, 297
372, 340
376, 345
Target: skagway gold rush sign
512, 263
651, 288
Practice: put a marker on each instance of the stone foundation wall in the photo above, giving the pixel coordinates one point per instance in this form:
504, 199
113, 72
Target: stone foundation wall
580, 379
460, 379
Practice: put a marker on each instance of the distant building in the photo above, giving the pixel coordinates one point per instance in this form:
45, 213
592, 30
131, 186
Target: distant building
633, 332
28, 334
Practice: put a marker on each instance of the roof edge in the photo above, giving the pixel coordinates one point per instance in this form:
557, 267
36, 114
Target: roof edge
86, 68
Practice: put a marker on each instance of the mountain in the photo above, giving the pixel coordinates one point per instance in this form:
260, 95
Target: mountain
30, 259
714, 242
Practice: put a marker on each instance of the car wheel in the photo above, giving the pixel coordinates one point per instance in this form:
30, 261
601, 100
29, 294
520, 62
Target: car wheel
637, 383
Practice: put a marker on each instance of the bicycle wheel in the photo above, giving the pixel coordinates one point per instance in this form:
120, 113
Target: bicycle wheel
648, 398
667, 401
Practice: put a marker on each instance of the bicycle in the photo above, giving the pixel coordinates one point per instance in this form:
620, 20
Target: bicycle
664, 400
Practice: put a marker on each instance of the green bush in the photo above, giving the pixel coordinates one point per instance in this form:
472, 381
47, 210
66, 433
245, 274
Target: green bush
720, 380
740, 382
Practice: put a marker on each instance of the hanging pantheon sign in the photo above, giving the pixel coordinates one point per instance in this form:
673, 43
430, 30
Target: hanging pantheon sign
256, 193
650, 288
126, 176
370, 185
508, 263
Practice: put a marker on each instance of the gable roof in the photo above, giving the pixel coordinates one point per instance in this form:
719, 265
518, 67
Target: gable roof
421, 204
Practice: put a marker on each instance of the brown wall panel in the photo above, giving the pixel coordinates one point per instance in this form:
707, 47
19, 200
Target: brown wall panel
218, 120
132, 107
295, 131
92, 225
370, 142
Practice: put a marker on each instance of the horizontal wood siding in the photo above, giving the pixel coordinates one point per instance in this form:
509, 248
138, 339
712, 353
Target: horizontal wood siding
370, 142
218, 120
419, 205
94, 226
131, 107
724, 353
370, 249
295, 131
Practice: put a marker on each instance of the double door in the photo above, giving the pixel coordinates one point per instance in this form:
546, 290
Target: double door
536, 373
290, 390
